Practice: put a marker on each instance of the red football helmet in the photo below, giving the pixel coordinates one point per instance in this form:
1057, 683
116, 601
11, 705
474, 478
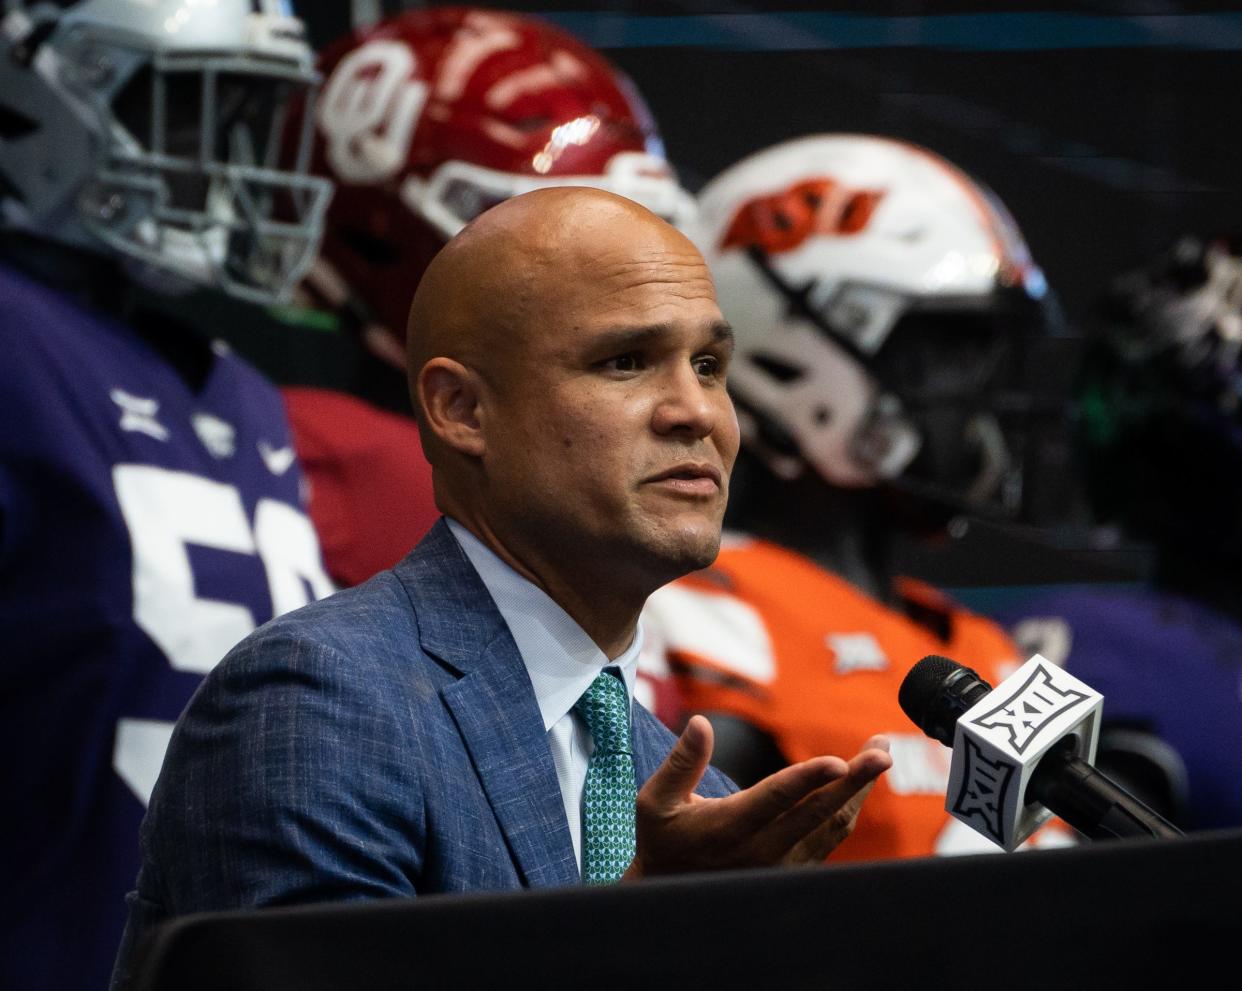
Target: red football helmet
429, 118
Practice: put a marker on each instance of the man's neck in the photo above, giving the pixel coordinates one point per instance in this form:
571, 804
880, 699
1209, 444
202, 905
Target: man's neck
595, 602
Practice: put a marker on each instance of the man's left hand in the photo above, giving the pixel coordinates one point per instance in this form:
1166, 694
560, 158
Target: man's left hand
797, 815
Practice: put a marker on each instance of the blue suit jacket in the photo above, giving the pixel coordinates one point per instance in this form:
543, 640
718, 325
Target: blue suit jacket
383, 742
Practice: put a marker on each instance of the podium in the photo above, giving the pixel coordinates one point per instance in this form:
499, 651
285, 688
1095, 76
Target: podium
1111, 915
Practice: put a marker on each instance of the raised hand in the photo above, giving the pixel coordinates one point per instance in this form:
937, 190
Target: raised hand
797, 815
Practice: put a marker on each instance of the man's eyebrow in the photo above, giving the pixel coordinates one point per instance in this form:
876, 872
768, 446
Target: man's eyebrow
630, 338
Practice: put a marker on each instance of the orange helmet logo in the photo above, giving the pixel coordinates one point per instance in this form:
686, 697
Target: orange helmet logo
782, 221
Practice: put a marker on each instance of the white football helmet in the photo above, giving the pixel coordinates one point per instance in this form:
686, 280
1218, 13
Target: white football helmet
874, 290
154, 130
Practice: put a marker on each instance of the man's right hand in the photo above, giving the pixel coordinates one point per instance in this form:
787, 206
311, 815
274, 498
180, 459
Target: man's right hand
797, 815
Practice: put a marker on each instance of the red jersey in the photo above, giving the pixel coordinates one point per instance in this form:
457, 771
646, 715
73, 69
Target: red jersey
370, 486
768, 636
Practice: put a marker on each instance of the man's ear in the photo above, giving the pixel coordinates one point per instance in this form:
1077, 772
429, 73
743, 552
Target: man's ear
449, 393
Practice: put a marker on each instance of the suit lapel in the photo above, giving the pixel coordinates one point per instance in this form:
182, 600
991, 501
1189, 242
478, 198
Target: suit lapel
498, 717
652, 742
493, 706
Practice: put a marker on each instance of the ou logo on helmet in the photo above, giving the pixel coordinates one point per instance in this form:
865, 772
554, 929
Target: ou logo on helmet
369, 111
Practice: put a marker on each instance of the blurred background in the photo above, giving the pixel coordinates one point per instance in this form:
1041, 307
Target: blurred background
1099, 125
1108, 535
1103, 126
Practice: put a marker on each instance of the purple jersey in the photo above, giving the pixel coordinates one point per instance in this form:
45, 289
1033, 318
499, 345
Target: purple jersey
1163, 662
144, 529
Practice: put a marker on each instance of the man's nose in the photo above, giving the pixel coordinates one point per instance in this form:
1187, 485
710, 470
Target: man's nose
686, 405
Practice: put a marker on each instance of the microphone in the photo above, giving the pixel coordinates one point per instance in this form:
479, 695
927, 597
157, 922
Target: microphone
1023, 751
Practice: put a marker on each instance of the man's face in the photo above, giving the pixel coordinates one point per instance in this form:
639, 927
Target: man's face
610, 434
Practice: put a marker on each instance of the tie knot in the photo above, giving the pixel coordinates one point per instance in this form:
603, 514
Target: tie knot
606, 708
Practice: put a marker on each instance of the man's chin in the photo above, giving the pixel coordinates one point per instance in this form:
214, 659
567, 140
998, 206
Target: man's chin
688, 548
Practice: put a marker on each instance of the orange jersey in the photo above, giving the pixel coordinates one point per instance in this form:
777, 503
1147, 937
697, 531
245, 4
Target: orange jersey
768, 636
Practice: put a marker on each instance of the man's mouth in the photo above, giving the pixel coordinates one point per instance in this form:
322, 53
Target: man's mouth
693, 478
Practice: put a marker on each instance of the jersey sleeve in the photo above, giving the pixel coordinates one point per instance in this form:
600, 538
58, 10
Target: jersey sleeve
371, 496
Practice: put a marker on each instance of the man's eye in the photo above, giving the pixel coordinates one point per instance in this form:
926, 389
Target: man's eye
624, 363
708, 366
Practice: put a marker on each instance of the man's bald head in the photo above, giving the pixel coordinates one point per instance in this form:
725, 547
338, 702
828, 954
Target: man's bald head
568, 361
496, 281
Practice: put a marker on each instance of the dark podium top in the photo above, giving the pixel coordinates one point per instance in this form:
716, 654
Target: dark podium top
1112, 915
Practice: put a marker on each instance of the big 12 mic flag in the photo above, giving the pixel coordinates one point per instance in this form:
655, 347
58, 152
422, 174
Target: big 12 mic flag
1001, 739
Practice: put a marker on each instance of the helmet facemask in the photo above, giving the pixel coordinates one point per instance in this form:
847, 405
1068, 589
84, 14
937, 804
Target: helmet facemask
183, 179
190, 181
926, 388
458, 191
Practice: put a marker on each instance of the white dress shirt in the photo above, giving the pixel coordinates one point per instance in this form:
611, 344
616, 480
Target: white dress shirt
561, 660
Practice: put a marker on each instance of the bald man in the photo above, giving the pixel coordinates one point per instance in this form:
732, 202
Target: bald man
442, 727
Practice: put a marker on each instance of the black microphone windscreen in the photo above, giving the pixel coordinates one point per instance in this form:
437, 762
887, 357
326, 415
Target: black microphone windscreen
936, 691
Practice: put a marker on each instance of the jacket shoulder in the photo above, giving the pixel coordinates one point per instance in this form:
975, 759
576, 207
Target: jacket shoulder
377, 616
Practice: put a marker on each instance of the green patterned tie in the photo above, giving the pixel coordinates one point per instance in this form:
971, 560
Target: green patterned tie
608, 796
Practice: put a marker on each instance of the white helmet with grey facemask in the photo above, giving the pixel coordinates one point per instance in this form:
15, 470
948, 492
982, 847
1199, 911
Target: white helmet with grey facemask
156, 131
877, 295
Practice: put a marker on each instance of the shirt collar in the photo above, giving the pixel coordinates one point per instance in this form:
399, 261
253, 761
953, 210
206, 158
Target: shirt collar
560, 658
